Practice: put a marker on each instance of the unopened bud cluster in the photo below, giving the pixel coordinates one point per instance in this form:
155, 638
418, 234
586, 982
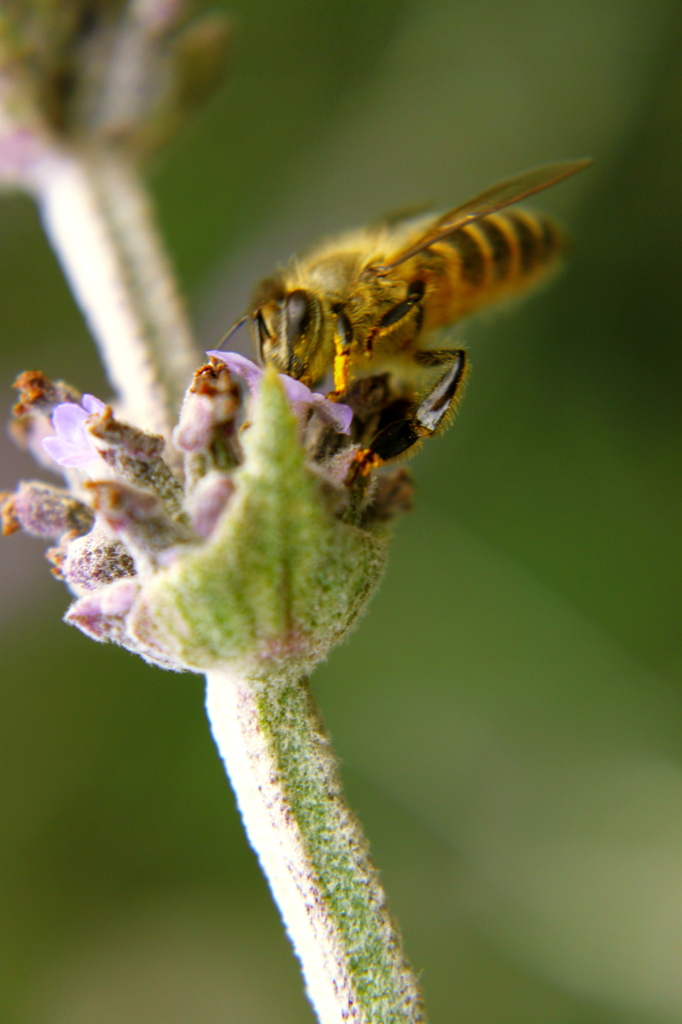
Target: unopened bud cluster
259, 544
102, 73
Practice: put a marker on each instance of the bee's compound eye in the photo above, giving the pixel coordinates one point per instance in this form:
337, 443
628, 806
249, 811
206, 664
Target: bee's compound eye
297, 315
344, 330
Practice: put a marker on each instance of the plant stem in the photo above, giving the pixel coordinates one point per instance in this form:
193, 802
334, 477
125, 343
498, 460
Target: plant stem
97, 216
312, 849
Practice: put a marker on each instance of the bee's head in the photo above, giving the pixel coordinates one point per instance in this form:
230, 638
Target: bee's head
288, 329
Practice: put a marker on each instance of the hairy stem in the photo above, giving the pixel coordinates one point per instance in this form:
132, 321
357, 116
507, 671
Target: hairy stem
312, 849
97, 216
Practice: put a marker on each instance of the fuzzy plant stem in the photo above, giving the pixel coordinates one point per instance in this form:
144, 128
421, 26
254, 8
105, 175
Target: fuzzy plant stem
97, 215
312, 849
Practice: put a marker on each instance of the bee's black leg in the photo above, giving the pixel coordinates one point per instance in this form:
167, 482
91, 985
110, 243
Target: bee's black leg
428, 417
433, 410
394, 440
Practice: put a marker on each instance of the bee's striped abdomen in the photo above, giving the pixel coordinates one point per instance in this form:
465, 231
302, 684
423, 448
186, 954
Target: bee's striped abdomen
472, 256
520, 243
499, 255
500, 247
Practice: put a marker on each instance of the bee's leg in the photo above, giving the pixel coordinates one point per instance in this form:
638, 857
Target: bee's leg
431, 413
341, 369
441, 401
426, 420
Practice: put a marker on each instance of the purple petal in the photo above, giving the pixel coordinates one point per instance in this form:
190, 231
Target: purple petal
240, 365
336, 413
296, 390
68, 419
55, 447
71, 445
67, 454
253, 374
92, 404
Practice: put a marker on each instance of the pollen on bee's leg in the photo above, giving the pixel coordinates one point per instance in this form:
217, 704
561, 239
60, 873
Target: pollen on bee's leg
364, 461
341, 375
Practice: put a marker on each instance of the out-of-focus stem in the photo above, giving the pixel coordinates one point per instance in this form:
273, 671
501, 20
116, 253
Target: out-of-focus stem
312, 849
97, 216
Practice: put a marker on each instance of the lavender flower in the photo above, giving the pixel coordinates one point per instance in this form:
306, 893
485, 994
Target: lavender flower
72, 446
138, 517
301, 397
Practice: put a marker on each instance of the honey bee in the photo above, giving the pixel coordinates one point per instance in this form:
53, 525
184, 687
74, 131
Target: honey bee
368, 304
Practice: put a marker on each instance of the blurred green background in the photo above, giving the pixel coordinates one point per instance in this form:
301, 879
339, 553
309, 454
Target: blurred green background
509, 715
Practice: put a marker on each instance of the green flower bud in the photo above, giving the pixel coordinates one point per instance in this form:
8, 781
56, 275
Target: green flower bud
280, 578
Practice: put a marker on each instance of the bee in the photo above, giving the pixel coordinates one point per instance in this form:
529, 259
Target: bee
369, 304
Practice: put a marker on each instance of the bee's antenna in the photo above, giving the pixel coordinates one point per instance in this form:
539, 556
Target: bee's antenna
233, 330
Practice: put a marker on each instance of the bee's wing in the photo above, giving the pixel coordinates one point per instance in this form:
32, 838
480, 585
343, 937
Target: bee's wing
512, 190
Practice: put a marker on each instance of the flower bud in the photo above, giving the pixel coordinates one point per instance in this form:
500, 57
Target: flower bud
45, 511
124, 75
279, 578
248, 560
